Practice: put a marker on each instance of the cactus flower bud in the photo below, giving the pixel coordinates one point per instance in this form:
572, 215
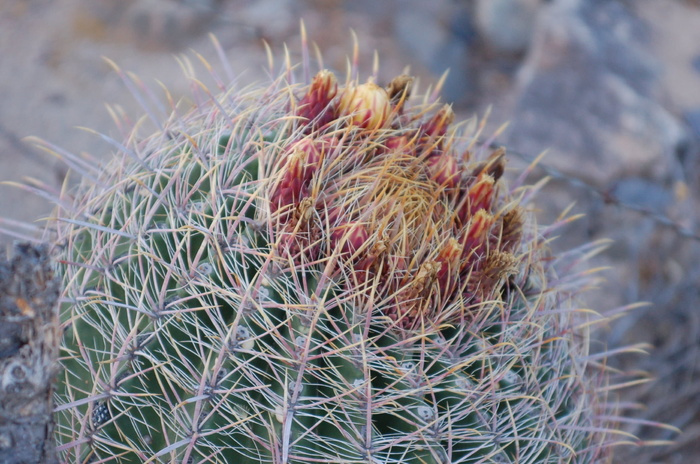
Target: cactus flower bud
350, 237
399, 89
511, 229
397, 142
448, 259
438, 124
367, 106
301, 164
432, 138
314, 107
475, 234
494, 165
479, 196
443, 170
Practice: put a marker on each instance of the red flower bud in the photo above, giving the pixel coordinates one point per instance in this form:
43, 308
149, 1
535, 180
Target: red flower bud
396, 142
448, 260
314, 107
432, 133
301, 163
481, 194
350, 237
475, 235
438, 124
443, 170
478, 197
494, 166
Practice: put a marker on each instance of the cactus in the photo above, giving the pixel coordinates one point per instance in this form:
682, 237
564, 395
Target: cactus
318, 272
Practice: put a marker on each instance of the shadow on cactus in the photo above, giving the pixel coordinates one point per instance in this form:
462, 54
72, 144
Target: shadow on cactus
319, 272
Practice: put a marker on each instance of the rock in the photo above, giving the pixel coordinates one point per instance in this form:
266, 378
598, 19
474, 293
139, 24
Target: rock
168, 24
643, 194
276, 19
440, 44
696, 63
29, 339
586, 91
506, 26
692, 117
152, 24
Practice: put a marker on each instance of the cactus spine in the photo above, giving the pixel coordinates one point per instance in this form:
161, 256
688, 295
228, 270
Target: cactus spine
317, 272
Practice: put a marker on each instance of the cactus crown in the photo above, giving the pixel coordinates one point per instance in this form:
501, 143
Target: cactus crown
317, 273
382, 195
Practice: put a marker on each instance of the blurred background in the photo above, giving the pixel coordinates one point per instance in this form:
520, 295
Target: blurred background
611, 88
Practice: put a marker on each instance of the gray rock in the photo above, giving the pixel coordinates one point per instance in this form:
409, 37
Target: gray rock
693, 119
275, 18
696, 63
586, 91
164, 23
506, 26
642, 194
439, 44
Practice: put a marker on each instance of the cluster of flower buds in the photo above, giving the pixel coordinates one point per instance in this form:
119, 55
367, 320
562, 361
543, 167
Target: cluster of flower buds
376, 185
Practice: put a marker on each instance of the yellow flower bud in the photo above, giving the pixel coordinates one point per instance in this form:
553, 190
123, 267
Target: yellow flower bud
367, 105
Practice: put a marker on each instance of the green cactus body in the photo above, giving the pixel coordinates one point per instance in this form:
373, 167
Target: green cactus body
308, 273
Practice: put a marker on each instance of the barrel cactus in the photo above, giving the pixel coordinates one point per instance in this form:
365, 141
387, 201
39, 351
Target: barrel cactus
311, 271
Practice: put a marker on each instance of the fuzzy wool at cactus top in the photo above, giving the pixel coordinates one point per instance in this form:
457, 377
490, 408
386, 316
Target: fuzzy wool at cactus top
317, 272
